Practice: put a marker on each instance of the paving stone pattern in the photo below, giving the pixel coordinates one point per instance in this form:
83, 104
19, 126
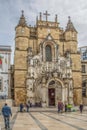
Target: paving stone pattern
47, 120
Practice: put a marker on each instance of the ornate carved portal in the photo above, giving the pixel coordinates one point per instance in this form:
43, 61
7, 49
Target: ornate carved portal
54, 93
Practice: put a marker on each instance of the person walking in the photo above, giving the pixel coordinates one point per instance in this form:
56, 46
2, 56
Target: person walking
21, 107
27, 107
6, 111
65, 107
81, 108
60, 107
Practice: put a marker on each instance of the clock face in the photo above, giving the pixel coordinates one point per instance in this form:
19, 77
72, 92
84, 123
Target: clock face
22, 30
48, 30
73, 35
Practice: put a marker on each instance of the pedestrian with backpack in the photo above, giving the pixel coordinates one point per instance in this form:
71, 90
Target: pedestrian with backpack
6, 111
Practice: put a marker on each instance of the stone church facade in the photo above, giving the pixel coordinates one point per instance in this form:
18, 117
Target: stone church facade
47, 65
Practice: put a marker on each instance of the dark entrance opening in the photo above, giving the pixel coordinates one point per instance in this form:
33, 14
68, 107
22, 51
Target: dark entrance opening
51, 93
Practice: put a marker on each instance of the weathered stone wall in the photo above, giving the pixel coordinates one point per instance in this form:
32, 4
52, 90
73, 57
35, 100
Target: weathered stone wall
20, 95
20, 60
77, 78
19, 77
22, 43
22, 31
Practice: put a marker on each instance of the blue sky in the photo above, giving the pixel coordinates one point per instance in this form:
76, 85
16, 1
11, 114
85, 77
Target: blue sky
10, 12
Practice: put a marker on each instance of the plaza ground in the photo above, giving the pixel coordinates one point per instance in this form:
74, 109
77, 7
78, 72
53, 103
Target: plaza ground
46, 119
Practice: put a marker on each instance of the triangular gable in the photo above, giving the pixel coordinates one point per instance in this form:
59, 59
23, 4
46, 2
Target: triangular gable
48, 38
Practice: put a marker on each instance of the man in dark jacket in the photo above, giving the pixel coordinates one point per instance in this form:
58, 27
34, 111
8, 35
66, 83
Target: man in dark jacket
6, 111
81, 107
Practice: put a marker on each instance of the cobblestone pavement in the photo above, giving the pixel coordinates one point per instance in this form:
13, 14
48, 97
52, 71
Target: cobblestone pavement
47, 120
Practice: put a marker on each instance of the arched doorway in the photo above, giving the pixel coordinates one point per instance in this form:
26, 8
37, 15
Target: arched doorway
55, 92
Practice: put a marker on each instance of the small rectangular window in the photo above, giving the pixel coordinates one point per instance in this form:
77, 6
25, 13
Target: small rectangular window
85, 56
0, 84
83, 69
84, 89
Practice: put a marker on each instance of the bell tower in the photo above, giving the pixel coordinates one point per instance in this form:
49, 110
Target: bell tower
20, 59
71, 47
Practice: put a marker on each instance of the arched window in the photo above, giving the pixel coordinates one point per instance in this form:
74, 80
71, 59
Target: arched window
48, 53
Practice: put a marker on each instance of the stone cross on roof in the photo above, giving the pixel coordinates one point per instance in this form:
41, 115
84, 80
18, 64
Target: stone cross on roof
46, 14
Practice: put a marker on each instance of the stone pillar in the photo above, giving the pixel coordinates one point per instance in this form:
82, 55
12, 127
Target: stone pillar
70, 92
55, 53
30, 93
44, 96
63, 94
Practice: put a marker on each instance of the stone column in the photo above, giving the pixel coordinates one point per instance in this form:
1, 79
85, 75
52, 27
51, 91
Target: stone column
30, 93
63, 95
55, 54
70, 92
66, 93
44, 96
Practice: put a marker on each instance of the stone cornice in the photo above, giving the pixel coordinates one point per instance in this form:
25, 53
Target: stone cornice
45, 37
20, 49
46, 26
22, 36
70, 40
76, 70
20, 69
77, 88
20, 87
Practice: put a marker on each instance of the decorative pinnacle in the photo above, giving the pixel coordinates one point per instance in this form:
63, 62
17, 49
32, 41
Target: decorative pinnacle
69, 18
37, 18
56, 18
22, 12
22, 21
40, 16
70, 26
